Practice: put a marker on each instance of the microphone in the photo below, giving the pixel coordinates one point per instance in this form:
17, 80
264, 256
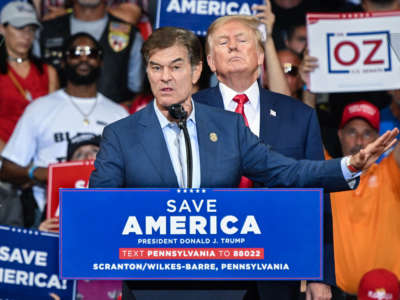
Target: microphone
177, 112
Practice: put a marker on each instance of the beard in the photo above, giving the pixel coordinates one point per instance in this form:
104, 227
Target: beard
73, 76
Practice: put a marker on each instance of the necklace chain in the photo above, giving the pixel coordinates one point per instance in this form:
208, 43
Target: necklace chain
84, 115
18, 60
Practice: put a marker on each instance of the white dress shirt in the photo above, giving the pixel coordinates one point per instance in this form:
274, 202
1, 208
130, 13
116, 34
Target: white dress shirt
251, 108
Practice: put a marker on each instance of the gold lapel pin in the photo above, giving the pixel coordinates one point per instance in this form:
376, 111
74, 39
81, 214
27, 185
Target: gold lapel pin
213, 137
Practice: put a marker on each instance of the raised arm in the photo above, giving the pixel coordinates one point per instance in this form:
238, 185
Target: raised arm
276, 79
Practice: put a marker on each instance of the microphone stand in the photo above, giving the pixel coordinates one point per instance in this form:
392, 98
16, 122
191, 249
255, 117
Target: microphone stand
177, 112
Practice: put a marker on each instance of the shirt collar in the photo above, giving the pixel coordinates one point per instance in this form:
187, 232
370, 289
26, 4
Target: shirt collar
164, 122
253, 93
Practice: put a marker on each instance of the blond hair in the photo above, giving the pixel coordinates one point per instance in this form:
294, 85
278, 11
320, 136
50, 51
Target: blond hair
249, 21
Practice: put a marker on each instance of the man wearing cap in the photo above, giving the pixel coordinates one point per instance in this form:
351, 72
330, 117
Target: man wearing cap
379, 284
366, 221
83, 146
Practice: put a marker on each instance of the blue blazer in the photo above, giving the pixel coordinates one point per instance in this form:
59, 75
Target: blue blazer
294, 132
133, 153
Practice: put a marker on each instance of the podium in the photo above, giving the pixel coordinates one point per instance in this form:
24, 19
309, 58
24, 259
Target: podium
191, 234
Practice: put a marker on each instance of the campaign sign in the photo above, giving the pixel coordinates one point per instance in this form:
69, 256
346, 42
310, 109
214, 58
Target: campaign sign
184, 234
74, 174
354, 51
29, 266
197, 15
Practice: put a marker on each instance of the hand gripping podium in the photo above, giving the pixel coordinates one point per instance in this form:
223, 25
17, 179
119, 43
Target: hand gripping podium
191, 234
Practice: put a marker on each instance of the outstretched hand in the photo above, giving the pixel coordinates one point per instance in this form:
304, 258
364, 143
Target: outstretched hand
364, 159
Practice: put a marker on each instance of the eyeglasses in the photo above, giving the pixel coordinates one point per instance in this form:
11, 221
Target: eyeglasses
291, 70
79, 51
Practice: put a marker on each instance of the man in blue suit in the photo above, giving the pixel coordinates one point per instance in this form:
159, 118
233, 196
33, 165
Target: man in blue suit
144, 150
287, 125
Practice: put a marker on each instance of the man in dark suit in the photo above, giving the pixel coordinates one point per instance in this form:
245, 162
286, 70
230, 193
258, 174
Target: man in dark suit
235, 52
144, 150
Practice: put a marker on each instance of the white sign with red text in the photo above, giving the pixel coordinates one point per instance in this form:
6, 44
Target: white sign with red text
74, 174
354, 51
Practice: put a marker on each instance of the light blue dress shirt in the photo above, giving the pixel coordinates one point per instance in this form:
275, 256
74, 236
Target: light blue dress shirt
175, 141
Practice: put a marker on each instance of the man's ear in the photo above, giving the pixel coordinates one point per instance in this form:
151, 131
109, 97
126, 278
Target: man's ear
211, 64
196, 72
2, 33
260, 57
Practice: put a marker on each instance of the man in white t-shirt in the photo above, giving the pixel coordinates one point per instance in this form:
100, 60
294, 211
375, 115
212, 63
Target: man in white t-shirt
42, 133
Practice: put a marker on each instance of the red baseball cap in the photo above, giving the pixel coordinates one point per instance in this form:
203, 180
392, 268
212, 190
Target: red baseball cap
379, 284
361, 109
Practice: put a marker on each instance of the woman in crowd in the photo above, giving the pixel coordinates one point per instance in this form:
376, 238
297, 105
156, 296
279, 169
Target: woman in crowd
23, 77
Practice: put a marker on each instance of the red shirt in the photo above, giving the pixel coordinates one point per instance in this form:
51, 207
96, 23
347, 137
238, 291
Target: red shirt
13, 103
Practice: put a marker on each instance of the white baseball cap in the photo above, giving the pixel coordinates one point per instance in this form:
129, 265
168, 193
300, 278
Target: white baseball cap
19, 14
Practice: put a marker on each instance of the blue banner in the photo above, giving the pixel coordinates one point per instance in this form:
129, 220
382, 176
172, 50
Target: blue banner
197, 15
29, 266
191, 234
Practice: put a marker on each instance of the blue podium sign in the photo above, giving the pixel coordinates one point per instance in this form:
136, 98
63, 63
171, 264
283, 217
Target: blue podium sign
197, 15
29, 265
186, 234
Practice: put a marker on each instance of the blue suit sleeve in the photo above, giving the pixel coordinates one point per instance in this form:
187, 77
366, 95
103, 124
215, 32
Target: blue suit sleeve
109, 170
261, 164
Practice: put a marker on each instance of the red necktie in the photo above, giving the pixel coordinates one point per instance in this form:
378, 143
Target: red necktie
241, 100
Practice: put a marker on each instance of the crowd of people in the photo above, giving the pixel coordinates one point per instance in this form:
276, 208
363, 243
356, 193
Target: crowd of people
70, 68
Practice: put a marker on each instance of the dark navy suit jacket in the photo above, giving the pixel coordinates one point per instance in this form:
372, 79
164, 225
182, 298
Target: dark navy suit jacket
133, 153
290, 128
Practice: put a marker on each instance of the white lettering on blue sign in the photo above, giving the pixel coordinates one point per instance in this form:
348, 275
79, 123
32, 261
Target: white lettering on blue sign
40, 280
196, 224
211, 8
23, 256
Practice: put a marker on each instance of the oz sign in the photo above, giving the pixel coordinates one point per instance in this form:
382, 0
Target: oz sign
359, 52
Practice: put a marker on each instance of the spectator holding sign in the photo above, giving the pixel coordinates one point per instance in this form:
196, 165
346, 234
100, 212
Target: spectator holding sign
42, 133
85, 146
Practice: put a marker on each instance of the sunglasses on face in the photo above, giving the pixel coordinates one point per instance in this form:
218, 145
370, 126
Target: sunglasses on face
79, 51
290, 69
